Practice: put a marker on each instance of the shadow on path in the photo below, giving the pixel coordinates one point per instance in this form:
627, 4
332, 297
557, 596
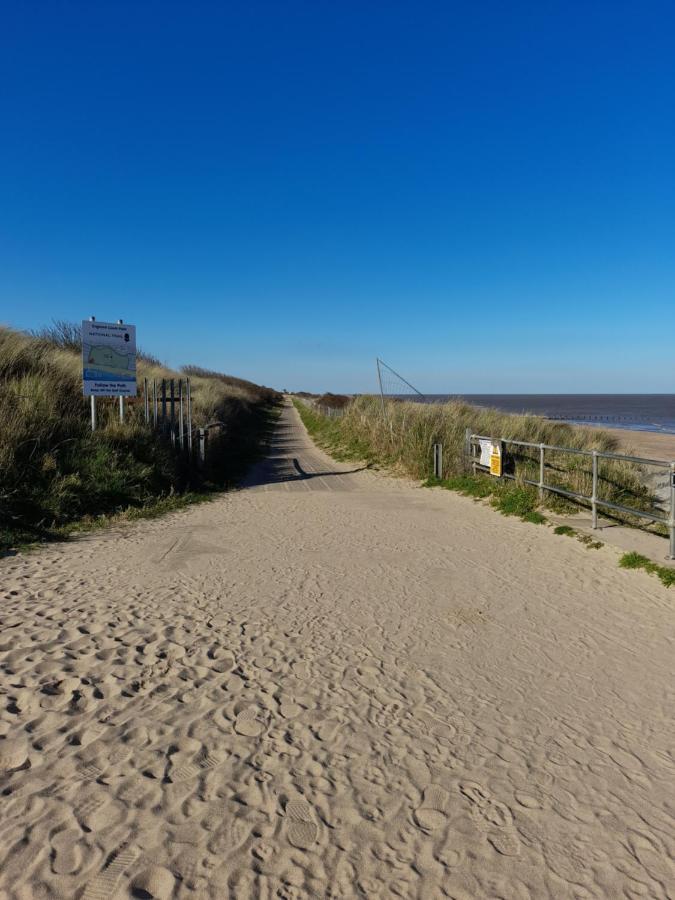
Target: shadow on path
292, 457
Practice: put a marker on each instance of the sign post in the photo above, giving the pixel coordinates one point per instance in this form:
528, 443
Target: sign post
108, 362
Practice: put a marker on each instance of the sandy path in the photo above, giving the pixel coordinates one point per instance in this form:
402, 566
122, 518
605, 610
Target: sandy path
334, 686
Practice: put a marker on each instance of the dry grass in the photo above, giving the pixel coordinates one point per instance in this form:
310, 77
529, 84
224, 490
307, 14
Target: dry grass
54, 470
405, 438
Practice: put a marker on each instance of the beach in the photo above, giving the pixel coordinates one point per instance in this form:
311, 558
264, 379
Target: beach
650, 444
331, 683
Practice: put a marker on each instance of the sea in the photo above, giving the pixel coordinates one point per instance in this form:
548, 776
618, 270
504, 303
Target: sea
636, 412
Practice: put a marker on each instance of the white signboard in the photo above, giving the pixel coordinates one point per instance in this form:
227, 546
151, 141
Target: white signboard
108, 359
485, 453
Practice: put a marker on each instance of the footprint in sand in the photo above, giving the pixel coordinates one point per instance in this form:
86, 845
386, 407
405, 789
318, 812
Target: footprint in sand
449, 856
187, 770
301, 829
505, 842
433, 813
13, 754
155, 882
248, 724
67, 853
494, 817
476, 793
104, 885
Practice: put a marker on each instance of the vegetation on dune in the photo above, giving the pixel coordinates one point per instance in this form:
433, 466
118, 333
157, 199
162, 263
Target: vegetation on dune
54, 471
637, 561
333, 401
403, 441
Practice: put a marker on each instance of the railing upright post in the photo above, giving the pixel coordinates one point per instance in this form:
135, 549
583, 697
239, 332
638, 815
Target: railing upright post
671, 523
594, 495
146, 400
438, 460
541, 471
154, 402
202, 446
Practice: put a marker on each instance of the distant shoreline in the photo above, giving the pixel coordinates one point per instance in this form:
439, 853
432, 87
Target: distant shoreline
650, 444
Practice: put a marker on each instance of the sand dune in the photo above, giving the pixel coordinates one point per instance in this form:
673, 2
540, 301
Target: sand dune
331, 684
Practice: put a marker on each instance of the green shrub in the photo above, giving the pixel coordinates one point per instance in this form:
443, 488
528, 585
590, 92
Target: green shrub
54, 471
564, 529
637, 561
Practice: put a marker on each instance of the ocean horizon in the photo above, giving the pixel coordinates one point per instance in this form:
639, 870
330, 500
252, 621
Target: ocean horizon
635, 412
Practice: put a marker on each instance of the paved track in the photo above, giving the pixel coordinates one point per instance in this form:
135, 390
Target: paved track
294, 463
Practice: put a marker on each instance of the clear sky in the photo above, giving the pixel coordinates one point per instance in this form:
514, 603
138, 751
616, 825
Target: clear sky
482, 193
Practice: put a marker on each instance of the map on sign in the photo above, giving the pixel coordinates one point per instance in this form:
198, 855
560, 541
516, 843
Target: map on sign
108, 359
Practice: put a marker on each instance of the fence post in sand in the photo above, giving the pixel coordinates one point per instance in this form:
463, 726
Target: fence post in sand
594, 494
438, 460
541, 471
181, 420
671, 523
202, 446
189, 416
146, 400
164, 423
467, 449
172, 407
154, 402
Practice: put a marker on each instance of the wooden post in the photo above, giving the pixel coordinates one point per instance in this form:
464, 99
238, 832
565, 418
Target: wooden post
164, 423
173, 412
189, 416
181, 421
202, 446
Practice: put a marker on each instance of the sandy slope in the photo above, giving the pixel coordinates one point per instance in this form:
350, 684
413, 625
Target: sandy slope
652, 444
334, 686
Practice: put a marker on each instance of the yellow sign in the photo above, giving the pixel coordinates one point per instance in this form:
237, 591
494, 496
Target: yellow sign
496, 460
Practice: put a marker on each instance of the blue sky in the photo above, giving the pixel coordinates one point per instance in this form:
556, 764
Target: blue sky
483, 194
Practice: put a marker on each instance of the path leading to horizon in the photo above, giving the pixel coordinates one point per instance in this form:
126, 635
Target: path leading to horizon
333, 684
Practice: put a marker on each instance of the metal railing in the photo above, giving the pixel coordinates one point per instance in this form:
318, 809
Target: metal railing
594, 500
332, 412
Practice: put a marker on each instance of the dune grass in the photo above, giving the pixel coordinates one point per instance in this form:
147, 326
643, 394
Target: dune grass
403, 442
54, 471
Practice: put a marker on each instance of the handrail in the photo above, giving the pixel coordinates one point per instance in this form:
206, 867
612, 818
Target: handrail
593, 500
605, 454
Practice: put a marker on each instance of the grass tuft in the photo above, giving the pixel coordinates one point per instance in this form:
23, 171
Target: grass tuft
637, 561
564, 529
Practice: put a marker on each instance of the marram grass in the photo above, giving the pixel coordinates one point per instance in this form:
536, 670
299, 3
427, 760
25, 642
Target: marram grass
404, 439
54, 471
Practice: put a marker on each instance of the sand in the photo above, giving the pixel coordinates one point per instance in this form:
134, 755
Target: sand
334, 684
650, 444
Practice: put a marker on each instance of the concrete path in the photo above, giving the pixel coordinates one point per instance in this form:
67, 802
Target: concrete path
294, 463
